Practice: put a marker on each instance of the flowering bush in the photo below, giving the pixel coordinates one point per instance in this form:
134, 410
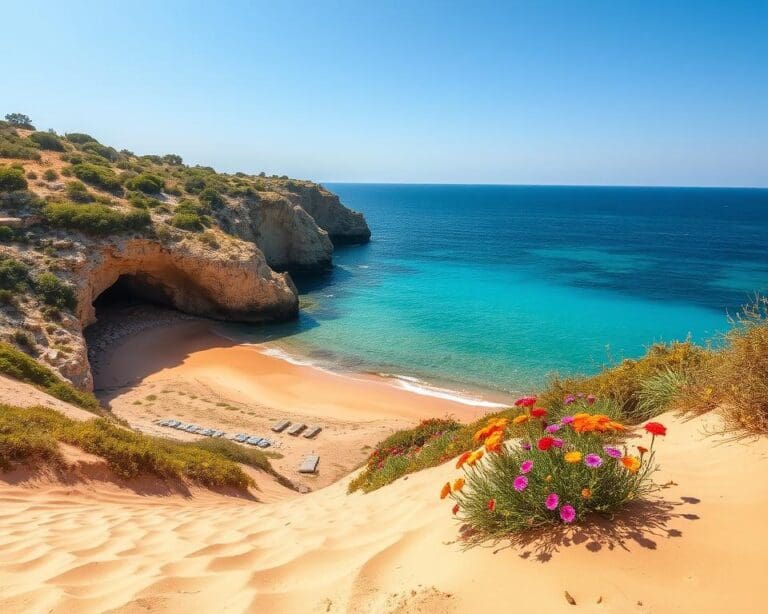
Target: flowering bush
558, 472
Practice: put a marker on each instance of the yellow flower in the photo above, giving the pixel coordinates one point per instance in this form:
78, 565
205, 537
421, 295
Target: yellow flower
445, 490
520, 419
586, 493
474, 457
458, 484
572, 457
548, 478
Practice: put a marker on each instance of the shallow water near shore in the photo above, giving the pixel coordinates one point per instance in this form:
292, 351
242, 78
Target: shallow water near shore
495, 287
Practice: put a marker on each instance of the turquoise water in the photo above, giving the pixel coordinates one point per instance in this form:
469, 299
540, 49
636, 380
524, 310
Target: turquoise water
498, 286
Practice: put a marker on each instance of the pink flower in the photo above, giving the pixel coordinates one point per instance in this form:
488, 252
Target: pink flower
569, 399
552, 501
567, 513
593, 460
557, 442
591, 399
613, 452
566, 419
552, 428
520, 483
525, 445
526, 466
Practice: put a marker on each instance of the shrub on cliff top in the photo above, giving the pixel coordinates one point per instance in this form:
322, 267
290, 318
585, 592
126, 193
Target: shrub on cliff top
94, 219
16, 364
12, 179
19, 120
14, 274
76, 191
14, 146
79, 138
53, 291
145, 182
47, 141
97, 149
99, 176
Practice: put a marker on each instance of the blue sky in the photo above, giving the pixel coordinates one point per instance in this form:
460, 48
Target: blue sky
571, 92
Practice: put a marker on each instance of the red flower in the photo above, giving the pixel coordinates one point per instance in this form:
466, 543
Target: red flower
642, 450
545, 443
525, 402
455, 509
656, 428
491, 505
538, 412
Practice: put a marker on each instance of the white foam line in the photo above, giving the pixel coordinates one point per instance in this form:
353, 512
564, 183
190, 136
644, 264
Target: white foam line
408, 383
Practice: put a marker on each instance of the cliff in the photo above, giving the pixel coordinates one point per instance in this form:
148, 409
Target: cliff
80, 218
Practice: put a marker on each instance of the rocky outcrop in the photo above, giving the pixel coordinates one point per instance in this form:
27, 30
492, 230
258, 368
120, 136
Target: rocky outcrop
286, 234
341, 223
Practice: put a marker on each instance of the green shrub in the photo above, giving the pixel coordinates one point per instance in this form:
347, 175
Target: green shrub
47, 141
12, 179
99, 176
6, 234
19, 120
173, 160
76, 191
33, 433
14, 274
187, 221
53, 291
211, 199
94, 219
548, 479
79, 138
8, 297
50, 175
108, 153
145, 182
14, 146
16, 364
194, 184
140, 201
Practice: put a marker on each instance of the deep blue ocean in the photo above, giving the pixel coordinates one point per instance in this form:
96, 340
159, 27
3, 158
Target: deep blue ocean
498, 286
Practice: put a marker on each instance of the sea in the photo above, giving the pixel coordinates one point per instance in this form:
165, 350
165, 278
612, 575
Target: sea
470, 288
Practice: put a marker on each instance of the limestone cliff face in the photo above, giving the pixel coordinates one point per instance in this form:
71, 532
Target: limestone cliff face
341, 223
286, 234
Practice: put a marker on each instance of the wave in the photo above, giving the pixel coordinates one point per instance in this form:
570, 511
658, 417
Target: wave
415, 385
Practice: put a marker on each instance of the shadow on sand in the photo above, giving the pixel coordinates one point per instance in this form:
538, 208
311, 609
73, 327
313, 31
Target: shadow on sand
644, 524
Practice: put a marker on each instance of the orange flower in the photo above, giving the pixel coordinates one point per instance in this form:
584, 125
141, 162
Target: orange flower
572, 457
493, 443
445, 490
463, 459
586, 493
521, 419
458, 484
455, 509
588, 423
548, 478
632, 463
474, 457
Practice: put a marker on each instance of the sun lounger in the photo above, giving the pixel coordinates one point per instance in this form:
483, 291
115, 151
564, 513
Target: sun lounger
296, 429
309, 464
279, 427
219, 433
163, 423
264, 443
240, 437
192, 428
254, 441
173, 423
312, 431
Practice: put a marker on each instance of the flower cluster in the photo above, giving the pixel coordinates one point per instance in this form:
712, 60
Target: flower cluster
558, 472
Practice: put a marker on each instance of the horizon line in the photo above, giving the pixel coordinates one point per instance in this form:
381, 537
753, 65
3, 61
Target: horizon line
551, 185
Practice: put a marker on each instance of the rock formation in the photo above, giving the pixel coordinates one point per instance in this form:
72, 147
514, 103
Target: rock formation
343, 225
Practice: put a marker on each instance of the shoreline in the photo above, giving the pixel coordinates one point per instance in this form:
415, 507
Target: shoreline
151, 368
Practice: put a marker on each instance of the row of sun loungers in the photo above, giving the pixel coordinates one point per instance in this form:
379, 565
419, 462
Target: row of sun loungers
192, 428
296, 429
261, 442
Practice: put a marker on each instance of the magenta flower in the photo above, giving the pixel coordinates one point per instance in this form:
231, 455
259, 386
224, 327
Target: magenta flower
613, 452
593, 460
526, 466
569, 399
552, 501
552, 428
557, 442
566, 419
567, 513
525, 445
591, 399
520, 483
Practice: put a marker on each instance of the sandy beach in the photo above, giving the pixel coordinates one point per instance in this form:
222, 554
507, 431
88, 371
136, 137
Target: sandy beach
182, 369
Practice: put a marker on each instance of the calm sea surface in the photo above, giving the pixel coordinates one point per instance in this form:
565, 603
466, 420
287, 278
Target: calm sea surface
497, 286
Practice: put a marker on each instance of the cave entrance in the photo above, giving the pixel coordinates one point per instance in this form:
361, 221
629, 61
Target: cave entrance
130, 291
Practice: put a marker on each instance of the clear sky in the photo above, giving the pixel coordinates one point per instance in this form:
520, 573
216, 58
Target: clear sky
570, 92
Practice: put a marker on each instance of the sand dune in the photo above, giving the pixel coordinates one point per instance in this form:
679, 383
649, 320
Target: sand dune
97, 548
